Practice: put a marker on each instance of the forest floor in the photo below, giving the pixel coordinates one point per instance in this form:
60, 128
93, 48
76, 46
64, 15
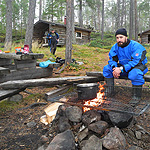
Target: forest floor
21, 129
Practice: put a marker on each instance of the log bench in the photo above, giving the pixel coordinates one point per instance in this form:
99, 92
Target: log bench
100, 74
145, 90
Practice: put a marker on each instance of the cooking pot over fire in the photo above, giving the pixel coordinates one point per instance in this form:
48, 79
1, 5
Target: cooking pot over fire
87, 91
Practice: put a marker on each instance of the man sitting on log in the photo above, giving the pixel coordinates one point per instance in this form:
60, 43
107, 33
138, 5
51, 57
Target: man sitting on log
127, 58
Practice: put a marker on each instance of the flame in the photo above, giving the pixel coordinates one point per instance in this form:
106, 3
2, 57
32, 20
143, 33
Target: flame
96, 101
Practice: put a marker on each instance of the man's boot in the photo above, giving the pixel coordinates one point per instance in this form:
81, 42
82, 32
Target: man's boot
109, 88
136, 94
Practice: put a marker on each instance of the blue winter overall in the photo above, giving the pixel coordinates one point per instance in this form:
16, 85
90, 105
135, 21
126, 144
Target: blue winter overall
132, 58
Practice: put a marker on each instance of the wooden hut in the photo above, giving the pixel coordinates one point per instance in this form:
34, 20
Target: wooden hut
42, 28
145, 36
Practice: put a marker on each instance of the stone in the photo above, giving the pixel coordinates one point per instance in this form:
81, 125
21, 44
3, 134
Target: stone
138, 135
134, 148
93, 143
63, 141
74, 113
44, 139
63, 124
16, 98
80, 63
114, 139
98, 127
51, 59
31, 124
90, 117
41, 148
60, 112
130, 132
121, 120
83, 134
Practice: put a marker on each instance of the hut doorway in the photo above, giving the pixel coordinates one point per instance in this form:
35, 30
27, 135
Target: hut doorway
149, 38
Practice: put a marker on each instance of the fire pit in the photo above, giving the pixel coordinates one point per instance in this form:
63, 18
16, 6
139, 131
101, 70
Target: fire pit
119, 101
95, 122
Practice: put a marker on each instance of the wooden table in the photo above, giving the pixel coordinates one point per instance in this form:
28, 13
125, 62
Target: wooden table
21, 60
22, 66
21, 56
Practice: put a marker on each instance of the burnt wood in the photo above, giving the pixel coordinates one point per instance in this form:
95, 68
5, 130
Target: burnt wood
56, 92
47, 82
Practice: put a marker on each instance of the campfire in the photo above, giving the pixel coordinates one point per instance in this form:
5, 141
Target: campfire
96, 101
95, 123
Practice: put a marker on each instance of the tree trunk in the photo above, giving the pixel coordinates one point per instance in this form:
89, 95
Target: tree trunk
149, 13
73, 30
98, 15
40, 10
61, 11
136, 21
102, 27
95, 18
52, 11
69, 31
118, 15
122, 13
29, 31
8, 38
131, 20
80, 14
125, 14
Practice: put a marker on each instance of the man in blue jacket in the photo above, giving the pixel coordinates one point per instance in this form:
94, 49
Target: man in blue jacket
127, 58
53, 39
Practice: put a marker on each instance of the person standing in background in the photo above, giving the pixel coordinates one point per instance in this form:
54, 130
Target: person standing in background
53, 39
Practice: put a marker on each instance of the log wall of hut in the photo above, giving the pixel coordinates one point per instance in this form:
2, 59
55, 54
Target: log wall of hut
42, 28
145, 37
62, 34
85, 37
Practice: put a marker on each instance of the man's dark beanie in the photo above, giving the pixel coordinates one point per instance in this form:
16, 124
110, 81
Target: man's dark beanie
121, 31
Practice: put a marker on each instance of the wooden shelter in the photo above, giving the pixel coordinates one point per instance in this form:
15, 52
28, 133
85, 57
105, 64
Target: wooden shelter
145, 36
42, 28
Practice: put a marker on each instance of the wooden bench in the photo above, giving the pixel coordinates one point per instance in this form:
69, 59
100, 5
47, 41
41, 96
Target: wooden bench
100, 74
